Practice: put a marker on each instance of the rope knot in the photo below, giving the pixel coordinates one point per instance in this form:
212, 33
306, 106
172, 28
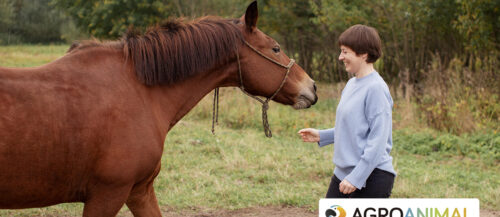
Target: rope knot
265, 106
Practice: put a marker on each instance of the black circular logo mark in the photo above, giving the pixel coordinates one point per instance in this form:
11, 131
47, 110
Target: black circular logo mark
330, 213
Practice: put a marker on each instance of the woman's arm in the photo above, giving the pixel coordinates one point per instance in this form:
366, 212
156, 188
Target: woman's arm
322, 137
326, 137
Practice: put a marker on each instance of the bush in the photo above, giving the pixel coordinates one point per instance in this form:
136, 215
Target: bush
485, 146
25, 21
457, 100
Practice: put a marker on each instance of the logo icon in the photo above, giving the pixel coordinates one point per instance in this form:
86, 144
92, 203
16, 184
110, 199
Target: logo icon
335, 211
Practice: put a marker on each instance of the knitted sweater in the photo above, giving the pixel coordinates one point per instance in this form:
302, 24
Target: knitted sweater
362, 135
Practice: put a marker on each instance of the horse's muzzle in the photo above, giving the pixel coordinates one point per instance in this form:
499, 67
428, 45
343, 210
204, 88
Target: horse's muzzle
305, 101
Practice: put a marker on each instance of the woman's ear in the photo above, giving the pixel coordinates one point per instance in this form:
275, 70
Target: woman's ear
364, 56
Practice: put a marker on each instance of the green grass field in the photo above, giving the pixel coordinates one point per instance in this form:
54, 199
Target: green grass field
239, 167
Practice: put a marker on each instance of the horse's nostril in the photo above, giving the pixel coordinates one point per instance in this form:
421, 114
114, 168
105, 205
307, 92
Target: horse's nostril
314, 85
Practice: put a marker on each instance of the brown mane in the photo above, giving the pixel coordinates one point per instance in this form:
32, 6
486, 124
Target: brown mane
175, 50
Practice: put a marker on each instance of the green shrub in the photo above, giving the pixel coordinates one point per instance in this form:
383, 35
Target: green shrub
485, 146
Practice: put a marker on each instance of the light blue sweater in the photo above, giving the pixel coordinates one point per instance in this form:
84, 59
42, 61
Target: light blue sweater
363, 130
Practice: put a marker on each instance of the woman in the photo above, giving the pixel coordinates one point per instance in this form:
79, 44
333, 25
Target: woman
363, 127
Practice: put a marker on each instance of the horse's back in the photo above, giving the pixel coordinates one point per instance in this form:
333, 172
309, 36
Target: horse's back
56, 123
43, 123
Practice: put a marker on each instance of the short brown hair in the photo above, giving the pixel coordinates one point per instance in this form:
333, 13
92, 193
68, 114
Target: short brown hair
362, 39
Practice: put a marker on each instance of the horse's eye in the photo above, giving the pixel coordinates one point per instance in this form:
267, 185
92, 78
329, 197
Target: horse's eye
276, 49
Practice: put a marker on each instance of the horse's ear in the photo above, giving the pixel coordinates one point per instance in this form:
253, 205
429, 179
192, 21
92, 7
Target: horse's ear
251, 16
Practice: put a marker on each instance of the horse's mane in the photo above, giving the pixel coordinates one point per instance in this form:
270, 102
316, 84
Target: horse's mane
175, 50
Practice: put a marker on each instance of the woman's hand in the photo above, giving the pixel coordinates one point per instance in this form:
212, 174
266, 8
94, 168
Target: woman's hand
346, 187
309, 135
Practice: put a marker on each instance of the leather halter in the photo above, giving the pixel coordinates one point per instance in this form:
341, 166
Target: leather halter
265, 103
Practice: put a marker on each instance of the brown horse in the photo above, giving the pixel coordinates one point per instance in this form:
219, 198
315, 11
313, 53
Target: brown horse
90, 126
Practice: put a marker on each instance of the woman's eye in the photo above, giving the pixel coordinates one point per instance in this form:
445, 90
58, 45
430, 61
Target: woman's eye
276, 49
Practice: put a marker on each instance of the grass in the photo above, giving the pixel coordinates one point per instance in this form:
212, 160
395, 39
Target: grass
29, 55
239, 167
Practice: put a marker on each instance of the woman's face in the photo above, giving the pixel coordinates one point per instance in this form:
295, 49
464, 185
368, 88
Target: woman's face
352, 62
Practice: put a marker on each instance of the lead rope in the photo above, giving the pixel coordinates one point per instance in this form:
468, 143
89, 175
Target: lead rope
265, 103
215, 110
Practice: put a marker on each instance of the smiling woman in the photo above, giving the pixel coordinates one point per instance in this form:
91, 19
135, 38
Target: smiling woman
363, 125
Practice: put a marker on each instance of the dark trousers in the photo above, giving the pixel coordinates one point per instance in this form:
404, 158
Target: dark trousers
378, 185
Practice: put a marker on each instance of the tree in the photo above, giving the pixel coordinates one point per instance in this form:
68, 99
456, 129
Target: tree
289, 22
6, 13
28, 21
479, 24
332, 17
410, 31
37, 21
6, 16
110, 19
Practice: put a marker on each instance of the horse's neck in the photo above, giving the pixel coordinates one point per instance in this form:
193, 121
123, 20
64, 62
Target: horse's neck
172, 102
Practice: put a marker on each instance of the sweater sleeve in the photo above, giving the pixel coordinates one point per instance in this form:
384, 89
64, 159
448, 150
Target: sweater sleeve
378, 111
326, 137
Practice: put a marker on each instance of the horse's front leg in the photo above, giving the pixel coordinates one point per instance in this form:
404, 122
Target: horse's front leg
105, 200
142, 201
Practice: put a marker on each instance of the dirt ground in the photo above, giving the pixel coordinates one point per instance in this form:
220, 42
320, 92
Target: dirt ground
255, 212
265, 212
246, 212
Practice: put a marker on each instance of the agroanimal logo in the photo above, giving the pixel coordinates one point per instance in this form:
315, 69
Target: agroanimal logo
335, 211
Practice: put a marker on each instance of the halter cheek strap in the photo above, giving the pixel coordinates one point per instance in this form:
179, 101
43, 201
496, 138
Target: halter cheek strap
265, 103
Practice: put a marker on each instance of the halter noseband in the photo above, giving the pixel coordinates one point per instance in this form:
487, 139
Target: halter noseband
265, 103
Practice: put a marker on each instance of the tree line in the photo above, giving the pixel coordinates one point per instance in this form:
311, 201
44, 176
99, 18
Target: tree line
421, 39
413, 32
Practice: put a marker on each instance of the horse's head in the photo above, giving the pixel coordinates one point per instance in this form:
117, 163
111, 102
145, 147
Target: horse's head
264, 67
